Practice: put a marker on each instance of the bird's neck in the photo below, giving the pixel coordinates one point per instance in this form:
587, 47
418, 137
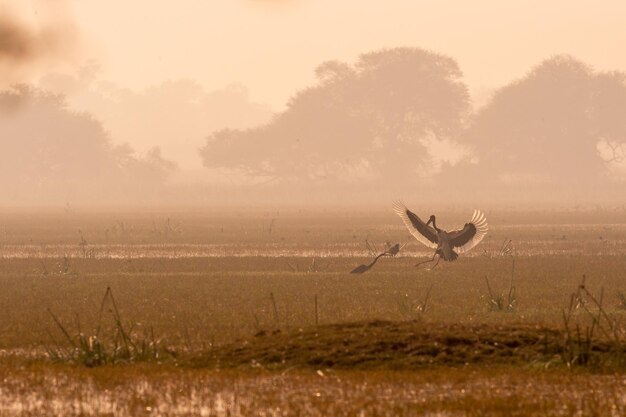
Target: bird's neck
435, 225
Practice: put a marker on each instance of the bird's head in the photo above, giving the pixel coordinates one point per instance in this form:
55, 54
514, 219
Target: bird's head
431, 219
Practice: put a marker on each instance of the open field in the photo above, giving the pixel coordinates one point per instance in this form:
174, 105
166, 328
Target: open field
149, 390
256, 310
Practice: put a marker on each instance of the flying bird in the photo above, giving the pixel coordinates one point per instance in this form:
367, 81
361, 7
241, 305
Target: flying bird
448, 244
392, 251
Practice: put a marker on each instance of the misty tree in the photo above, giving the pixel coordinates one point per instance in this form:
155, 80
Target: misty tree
372, 120
563, 123
50, 153
608, 114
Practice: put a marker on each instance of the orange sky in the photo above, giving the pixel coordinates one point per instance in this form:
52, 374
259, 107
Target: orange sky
268, 49
273, 46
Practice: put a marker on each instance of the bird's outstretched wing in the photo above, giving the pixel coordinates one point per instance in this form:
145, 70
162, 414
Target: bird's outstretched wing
471, 234
425, 234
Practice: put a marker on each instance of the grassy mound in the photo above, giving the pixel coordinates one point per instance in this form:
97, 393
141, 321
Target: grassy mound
390, 345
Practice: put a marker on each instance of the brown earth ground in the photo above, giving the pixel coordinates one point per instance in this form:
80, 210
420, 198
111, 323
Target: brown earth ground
378, 368
135, 390
234, 298
392, 346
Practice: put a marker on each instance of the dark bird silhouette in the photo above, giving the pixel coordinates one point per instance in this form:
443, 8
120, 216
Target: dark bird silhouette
392, 251
448, 244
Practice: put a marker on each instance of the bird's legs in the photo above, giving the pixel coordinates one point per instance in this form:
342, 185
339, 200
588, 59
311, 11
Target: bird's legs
430, 260
436, 263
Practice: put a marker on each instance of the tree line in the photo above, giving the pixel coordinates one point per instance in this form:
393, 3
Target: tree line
395, 122
380, 123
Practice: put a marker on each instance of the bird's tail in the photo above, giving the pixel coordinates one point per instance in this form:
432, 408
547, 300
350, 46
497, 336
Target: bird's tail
448, 254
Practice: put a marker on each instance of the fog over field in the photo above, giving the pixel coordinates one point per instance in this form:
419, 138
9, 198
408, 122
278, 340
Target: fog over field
389, 119
201, 208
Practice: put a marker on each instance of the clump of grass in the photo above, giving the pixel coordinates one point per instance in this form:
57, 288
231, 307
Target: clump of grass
120, 345
167, 229
506, 249
88, 253
61, 268
65, 268
500, 302
592, 335
414, 309
622, 300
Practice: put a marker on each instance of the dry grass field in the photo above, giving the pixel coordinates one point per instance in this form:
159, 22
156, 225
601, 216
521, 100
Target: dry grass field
253, 312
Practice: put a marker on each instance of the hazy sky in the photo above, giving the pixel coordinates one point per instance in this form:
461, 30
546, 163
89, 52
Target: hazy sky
111, 56
273, 46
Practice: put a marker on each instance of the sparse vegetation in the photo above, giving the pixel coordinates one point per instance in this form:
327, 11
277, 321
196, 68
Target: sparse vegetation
622, 299
593, 337
414, 308
204, 292
121, 345
502, 302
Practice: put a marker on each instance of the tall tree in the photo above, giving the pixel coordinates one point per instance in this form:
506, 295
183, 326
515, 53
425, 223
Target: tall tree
369, 121
51, 154
551, 126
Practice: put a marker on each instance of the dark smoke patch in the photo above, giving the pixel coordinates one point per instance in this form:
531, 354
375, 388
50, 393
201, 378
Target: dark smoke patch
16, 44
25, 47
